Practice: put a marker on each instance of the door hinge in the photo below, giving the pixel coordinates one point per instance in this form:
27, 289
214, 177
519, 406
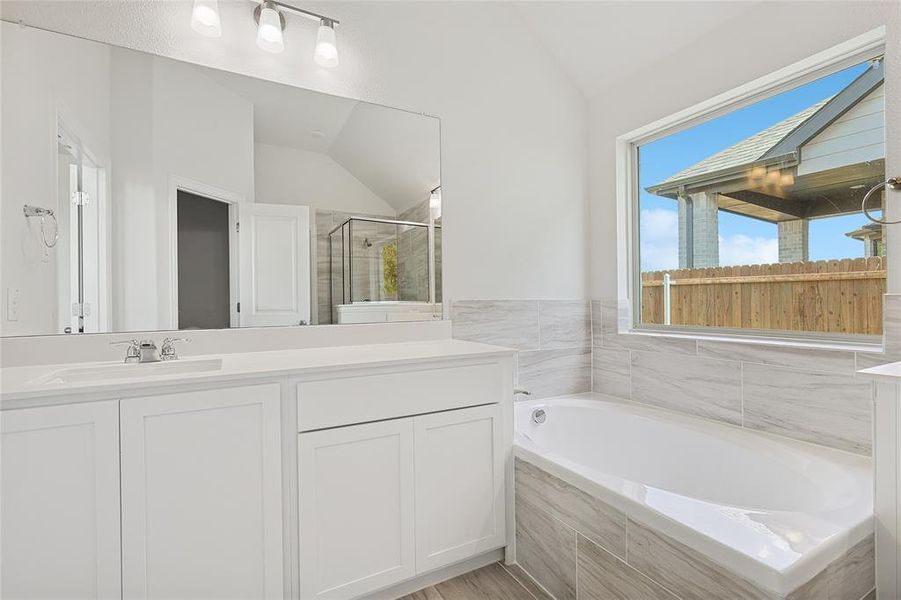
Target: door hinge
239, 307
80, 198
238, 226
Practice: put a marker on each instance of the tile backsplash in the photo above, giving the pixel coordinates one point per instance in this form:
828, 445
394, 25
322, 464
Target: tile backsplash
553, 338
809, 394
571, 346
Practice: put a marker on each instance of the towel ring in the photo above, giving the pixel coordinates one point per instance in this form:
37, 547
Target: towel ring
890, 184
38, 211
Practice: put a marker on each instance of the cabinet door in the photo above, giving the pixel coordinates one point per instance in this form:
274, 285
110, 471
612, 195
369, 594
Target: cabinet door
202, 494
59, 502
459, 485
356, 508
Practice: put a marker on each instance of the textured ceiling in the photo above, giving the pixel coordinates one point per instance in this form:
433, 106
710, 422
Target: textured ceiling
598, 43
595, 43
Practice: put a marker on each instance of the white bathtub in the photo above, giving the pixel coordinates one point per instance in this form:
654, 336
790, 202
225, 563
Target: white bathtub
770, 509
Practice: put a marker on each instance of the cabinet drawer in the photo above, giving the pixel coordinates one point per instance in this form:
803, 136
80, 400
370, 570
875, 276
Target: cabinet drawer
386, 395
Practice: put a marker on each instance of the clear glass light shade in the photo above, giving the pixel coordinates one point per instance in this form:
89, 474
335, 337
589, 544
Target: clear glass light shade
326, 54
205, 18
269, 34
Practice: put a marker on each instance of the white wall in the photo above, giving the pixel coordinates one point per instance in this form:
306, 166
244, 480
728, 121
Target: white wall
754, 44
169, 121
285, 175
37, 86
513, 126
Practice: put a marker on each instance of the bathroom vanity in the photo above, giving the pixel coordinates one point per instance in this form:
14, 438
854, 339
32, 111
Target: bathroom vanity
318, 473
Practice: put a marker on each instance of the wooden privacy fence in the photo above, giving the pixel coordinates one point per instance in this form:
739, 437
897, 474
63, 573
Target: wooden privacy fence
835, 296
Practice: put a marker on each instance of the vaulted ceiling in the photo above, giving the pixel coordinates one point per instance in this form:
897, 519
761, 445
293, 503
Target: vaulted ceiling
597, 43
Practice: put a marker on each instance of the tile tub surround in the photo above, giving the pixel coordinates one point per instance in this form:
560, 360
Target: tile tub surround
553, 338
558, 546
810, 394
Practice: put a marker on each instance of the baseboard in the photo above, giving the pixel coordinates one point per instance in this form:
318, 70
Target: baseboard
437, 576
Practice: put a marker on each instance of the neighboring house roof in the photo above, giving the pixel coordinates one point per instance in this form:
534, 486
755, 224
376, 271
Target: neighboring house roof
871, 231
778, 141
746, 151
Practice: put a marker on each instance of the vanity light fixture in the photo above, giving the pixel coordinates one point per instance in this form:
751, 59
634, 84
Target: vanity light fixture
326, 53
205, 18
271, 24
270, 18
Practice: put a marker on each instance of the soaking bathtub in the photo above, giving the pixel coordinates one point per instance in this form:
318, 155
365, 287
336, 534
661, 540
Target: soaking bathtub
773, 511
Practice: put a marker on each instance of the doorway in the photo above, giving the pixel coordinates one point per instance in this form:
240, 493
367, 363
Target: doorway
204, 262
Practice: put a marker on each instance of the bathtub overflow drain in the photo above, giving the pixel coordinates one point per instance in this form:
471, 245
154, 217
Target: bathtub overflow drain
539, 416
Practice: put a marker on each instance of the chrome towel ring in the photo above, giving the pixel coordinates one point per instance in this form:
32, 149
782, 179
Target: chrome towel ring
38, 211
890, 184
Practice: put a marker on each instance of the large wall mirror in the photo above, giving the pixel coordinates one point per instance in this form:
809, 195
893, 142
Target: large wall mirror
144, 193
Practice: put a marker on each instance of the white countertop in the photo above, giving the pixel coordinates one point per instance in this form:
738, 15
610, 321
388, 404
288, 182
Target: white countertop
889, 372
21, 385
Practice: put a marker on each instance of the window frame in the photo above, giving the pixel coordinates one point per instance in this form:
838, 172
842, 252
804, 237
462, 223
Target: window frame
864, 47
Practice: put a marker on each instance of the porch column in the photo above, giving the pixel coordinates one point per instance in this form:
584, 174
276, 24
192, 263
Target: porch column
705, 230
794, 240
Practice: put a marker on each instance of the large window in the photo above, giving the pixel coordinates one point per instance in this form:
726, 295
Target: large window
752, 220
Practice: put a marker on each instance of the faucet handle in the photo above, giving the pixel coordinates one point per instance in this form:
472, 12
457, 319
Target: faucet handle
167, 351
133, 353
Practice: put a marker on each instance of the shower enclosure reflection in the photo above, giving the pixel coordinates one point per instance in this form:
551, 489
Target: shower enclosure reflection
380, 270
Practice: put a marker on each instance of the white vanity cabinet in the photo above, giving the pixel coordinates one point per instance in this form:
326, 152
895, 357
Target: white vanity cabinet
459, 472
202, 494
382, 502
317, 473
356, 509
59, 499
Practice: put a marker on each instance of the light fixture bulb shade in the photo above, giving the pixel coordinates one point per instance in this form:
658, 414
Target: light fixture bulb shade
269, 34
205, 18
326, 54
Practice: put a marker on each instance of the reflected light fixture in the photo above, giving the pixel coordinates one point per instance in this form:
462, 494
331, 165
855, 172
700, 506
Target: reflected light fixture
326, 53
205, 18
271, 24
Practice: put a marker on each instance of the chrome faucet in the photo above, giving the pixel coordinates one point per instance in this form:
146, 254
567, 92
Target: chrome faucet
144, 351
167, 352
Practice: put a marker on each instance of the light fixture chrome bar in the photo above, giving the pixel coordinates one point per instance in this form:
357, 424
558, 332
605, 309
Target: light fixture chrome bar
306, 13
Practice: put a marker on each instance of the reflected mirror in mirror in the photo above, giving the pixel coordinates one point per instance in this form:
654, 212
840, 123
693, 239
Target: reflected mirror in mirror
144, 193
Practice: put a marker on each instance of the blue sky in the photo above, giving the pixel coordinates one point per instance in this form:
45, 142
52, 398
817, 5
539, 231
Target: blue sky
742, 240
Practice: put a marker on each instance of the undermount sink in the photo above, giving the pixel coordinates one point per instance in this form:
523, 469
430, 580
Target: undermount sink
121, 371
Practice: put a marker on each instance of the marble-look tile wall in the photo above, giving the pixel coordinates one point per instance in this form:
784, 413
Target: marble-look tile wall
810, 394
577, 547
553, 338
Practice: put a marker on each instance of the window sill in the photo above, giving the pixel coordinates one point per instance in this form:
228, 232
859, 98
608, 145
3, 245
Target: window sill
868, 344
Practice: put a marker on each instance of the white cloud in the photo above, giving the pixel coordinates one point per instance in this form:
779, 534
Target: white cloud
659, 239
740, 249
660, 244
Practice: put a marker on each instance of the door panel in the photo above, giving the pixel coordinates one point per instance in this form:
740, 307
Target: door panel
275, 264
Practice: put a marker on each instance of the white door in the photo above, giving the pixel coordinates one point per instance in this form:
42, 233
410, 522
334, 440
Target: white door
356, 509
459, 485
275, 264
59, 502
202, 495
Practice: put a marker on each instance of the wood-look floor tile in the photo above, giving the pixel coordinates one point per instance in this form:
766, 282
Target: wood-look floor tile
488, 583
527, 582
